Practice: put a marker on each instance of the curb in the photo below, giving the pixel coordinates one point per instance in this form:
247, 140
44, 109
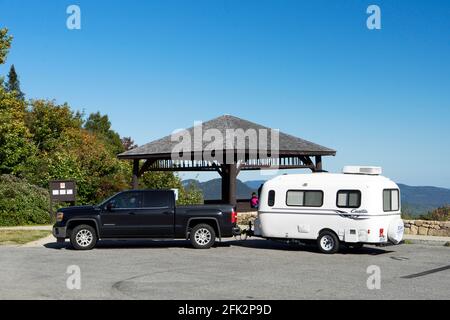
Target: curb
438, 241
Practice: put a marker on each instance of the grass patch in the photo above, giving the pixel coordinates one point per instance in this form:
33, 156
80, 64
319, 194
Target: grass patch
21, 236
407, 241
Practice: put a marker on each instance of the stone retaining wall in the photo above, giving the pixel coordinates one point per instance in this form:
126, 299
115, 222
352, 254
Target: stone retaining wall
427, 228
413, 227
245, 217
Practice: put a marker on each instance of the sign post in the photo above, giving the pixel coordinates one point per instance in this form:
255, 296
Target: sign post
62, 191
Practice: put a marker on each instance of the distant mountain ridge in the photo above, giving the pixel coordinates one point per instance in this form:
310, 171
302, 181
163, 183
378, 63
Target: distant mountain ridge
420, 200
416, 200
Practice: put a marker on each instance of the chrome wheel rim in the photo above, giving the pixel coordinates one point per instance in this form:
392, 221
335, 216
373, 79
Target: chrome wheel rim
327, 243
84, 237
202, 236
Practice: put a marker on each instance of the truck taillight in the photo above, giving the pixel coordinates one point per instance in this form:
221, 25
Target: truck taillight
233, 216
381, 232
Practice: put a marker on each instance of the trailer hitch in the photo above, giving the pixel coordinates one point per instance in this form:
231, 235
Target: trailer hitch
244, 234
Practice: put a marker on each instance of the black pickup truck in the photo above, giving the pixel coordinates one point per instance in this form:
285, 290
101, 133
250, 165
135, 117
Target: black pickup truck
144, 214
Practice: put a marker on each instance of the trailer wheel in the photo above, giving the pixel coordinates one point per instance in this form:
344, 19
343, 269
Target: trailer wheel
328, 242
203, 236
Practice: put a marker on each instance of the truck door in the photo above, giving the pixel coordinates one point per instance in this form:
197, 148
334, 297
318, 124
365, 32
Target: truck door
120, 215
158, 213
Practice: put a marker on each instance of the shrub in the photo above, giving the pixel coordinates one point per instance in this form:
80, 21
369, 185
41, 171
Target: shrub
439, 214
22, 203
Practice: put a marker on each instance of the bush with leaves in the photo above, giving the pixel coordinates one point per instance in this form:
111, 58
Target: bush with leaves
439, 214
22, 203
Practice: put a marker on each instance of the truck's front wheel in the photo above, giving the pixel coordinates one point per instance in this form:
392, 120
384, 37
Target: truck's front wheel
203, 236
83, 237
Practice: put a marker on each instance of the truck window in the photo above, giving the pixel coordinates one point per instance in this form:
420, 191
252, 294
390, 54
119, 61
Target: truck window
348, 199
127, 200
156, 199
304, 198
271, 198
391, 200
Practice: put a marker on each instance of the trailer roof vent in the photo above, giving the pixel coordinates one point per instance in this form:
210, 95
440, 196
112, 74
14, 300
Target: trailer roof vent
362, 170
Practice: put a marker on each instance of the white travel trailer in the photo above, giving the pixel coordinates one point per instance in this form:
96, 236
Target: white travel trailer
356, 207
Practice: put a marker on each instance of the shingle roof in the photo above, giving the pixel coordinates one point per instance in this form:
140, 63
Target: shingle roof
288, 144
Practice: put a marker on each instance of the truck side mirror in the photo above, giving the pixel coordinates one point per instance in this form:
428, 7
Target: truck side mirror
109, 206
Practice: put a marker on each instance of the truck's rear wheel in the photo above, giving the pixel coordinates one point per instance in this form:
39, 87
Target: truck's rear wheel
328, 242
83, 237
203, 236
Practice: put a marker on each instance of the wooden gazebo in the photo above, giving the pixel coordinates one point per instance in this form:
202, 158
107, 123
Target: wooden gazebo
292, 153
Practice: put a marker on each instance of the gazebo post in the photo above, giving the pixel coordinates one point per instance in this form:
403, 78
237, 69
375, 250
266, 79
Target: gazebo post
135, 180
232, 171
229, 176
319, 163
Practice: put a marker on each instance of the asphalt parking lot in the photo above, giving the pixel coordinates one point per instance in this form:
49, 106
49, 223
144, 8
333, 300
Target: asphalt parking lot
252, 269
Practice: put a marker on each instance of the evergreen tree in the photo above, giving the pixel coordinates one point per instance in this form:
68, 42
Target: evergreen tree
13, 83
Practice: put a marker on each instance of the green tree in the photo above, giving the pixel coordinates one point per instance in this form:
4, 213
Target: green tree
100, 125
128, 143
16, 143
5, 44
82, 156
48, 121
13, 84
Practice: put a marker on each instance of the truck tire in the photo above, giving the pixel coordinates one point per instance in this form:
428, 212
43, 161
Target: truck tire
83, 237
202, 236
328, 242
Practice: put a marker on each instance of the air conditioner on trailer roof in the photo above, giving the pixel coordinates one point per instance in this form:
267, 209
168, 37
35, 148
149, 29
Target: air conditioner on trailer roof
362, 170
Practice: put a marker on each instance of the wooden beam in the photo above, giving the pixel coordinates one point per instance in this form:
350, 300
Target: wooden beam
147, 164
190, 169
281, 167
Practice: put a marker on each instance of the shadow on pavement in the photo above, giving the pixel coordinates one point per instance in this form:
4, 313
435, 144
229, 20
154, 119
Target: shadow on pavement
278, 245
250, 243
127, 244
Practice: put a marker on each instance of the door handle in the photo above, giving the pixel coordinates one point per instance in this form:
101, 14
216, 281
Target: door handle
168, 212
132, 213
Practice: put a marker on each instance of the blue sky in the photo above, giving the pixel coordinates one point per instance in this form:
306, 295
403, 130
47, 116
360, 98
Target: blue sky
309, 68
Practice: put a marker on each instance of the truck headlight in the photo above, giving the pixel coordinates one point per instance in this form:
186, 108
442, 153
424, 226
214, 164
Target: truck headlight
59, 216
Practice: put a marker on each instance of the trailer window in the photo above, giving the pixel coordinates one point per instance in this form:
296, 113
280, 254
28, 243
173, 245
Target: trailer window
391, 200
304, 198
348, 199
271, 198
